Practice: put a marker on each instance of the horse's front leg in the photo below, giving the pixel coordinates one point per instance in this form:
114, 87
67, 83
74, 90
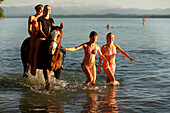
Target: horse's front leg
57, 73
26, 68
47, 80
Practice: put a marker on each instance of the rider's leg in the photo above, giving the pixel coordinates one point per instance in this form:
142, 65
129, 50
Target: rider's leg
31, 52
37, 45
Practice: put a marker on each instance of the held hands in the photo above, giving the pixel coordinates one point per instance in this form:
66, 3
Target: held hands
65, 49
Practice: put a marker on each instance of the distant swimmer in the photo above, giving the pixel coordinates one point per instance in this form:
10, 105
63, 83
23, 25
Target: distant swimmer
108, 26
144, 21
114, 26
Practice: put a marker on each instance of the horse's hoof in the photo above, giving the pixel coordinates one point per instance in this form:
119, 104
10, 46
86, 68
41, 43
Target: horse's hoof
33, 72
25, 75
48, 86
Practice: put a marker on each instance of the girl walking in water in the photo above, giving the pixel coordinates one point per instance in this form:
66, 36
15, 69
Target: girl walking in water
90, 51
109, 50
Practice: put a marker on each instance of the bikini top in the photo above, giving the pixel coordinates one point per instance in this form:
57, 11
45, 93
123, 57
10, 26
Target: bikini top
89, 50
34, 22
108, 53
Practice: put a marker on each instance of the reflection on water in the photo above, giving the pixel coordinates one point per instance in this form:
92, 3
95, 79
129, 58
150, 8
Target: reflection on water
101, 103
52, 103
40, 103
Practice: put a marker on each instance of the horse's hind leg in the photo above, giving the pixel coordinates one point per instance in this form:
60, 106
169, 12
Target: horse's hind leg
26, 68
57, 73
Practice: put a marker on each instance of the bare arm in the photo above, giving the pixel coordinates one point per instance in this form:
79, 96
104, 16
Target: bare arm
100, 54
30, 26
100, 61
124, 53
74, 48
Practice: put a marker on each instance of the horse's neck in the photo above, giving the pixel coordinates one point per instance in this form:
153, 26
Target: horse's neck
57, 53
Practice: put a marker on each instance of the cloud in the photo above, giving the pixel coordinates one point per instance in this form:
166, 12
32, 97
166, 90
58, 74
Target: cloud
70, 4
112, 4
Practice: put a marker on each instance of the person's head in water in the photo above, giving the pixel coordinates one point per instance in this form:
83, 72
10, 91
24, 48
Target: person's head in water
47, 10
39, 9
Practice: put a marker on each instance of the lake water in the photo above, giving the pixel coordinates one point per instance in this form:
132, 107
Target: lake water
144, 84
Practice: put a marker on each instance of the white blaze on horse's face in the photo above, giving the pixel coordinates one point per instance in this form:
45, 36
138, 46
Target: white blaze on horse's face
53, 45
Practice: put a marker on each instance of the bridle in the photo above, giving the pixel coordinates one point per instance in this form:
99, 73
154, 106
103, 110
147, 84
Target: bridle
59, 36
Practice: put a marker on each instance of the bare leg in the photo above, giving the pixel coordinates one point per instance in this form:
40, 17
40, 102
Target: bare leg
88, 74
93, 72
31, 52
37, 45
110, 75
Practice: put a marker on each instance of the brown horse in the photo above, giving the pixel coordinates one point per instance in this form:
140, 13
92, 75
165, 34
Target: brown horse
49, 55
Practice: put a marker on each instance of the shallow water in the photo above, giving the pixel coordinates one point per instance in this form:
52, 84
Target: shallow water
144, 85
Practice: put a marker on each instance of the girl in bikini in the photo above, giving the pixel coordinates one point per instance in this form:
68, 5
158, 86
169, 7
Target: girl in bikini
109, 50
33, 31
90, 51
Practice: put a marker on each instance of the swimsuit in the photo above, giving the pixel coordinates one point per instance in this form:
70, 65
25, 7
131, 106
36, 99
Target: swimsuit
109, 53
111, 65
90, 52
34, 22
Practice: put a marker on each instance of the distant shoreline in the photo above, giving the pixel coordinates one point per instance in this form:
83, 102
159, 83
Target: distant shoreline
99, 16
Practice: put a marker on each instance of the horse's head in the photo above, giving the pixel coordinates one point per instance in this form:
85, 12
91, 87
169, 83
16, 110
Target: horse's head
56, 35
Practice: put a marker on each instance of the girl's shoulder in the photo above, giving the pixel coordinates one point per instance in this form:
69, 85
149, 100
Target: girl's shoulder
115, 44
104, 46
31, 17
84, 44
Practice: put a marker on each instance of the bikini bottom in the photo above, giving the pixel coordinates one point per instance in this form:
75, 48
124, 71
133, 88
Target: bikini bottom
111, 65
88, 66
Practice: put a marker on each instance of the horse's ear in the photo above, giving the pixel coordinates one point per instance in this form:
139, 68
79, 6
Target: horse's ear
61, 25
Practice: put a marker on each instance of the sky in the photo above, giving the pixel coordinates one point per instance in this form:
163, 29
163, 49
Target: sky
101, 4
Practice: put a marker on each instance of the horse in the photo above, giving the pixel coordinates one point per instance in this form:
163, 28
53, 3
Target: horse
49, 55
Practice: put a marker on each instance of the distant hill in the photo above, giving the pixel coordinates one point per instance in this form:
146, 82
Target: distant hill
85, 12
135, 11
